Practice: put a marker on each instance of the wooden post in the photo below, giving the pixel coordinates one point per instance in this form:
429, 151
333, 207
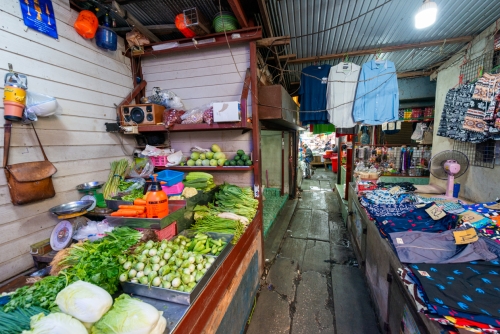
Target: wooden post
348, 168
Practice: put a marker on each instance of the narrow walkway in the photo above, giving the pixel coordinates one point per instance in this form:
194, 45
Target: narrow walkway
311, 283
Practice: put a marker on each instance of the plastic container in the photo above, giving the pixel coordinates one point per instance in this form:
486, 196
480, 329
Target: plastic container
180, 24
13, 111
170, 177
159, 161
86, 24
156, 201
174, 190
225, 21
334, 159
105, 38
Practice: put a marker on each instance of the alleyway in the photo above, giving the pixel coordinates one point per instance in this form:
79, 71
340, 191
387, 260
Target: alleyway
312, 283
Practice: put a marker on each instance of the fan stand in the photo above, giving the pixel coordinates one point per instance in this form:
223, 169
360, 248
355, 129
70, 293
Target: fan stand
449, 186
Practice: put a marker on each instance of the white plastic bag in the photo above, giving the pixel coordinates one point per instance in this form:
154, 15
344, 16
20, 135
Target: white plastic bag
40, 104
174, 159
418, 134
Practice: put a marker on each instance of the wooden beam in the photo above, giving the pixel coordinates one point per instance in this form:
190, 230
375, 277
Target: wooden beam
266, 22
413, 74
273, 41
239, 13
385, 49
159, 29
285, 57
134, 22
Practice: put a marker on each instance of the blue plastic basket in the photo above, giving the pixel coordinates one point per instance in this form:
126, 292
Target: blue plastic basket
171, 177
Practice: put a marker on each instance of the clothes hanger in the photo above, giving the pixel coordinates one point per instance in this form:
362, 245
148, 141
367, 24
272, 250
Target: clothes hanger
316, 63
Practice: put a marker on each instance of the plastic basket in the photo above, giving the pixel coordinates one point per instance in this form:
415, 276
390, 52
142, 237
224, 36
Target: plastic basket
170, 177
272, 192
159, 161
166, 233
174, 190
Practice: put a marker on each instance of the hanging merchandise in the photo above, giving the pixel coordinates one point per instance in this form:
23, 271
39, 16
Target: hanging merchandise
312, 93
180, 24
106, 38
418, 134
14, 98
391, 128
86, 24
377, 96
365, 137
39, 104
341, 90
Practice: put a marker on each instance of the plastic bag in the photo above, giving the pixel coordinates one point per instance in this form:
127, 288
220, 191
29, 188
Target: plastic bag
92, 231
143, 167
418, 134
194, 116
166, 98
172, 116
40, 104
174, 159
208, 115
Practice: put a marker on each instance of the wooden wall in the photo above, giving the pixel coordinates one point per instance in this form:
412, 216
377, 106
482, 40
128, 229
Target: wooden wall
87, 82
199, 77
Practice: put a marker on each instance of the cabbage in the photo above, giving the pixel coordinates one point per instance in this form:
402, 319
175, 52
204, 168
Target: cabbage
160, 326
128, 316
55, 323
84, 301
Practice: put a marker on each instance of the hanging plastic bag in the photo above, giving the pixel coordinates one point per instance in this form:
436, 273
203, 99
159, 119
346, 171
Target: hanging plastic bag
39, 104
143, 167
418, 134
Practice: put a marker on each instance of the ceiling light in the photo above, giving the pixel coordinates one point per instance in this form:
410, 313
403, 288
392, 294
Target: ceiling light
426, 15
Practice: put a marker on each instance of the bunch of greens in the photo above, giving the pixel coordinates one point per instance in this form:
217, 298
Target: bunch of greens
118, 171
18, 319
93, 262
136, 192
207, 221
231, 198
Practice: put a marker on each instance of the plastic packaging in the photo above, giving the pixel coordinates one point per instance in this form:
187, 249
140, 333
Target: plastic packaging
92, 231
194, 116
143, 167
181, 25
172, 116
39, 104
165, 98
208, 115
86, 24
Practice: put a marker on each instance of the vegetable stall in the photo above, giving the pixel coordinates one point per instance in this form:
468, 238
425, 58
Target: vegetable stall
170, 243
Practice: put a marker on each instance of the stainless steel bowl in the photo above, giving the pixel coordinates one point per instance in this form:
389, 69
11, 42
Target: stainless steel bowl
71, 207
89, 186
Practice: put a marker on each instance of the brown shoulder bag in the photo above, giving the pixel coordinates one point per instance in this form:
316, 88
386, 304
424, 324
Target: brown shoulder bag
28, 181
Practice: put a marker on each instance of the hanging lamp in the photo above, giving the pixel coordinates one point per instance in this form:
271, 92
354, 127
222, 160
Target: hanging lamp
426, 15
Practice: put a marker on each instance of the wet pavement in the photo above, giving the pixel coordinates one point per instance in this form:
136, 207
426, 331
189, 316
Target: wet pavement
311, 282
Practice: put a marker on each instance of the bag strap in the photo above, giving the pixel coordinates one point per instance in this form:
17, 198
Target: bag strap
6, 141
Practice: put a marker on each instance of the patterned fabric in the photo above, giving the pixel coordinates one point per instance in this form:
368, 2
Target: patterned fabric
408, 186
491, 232
465, 290
450, 206
480, 207
415, 220
478, 224
385, 197
469, 325
414, 290
382, 210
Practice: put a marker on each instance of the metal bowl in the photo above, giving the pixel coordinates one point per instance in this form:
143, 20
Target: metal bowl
71, 207
89, 186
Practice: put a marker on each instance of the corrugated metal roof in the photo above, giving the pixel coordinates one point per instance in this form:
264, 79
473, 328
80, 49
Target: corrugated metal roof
391, 24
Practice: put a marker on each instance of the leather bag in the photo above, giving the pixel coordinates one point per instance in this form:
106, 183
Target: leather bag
28, 181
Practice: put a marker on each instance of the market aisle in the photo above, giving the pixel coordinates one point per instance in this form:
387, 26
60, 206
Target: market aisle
312, 283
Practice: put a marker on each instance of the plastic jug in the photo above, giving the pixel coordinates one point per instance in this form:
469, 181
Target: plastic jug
86, 24
106, 38
156, 201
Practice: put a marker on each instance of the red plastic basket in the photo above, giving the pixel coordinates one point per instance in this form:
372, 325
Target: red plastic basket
159, 161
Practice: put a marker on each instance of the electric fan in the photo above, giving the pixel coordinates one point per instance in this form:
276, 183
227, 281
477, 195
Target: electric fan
447, 165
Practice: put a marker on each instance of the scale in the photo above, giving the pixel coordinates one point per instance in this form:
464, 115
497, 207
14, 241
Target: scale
90, 188
72, 219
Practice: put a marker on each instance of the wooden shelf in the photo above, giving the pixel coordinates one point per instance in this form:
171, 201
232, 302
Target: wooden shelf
208, 169
196, 127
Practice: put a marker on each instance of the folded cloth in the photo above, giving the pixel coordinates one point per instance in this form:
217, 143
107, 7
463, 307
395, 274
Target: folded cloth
425, 247
465, 290
469, 325
450, 206
488, 207
408, 186
415, 220
382, 210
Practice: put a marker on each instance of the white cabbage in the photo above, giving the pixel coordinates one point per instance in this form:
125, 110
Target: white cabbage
84, 301
160, 325
55, 323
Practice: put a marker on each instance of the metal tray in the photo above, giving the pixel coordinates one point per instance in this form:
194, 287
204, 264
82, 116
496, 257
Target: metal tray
89, 186
151, 223
71, 207
179, 297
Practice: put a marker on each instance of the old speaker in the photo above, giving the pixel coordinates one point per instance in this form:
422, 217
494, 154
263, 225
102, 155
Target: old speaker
142, 114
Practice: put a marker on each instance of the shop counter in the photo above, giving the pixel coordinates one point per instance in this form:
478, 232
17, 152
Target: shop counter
393, 304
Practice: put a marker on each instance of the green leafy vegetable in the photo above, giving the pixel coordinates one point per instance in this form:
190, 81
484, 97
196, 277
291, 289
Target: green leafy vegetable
18, 319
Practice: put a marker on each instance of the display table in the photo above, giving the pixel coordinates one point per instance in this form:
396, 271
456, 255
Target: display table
393, 303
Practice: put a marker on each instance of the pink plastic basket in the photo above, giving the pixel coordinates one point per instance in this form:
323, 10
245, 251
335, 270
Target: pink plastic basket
159, 161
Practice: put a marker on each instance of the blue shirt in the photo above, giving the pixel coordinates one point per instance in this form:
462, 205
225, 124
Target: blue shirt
312, 92
377, 95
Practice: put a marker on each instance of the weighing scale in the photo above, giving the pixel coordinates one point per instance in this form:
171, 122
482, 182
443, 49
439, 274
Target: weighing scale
71, 215
90, 188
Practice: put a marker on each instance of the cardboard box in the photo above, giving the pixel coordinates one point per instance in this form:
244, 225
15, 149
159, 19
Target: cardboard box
227, 112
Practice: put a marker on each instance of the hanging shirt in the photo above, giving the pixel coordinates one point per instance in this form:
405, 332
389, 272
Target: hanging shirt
312, 92
377, 96
340, 93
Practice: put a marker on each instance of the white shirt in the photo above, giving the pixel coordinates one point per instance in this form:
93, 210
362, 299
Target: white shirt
340, 94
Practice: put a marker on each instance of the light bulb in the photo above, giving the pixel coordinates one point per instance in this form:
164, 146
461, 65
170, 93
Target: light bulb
426, 15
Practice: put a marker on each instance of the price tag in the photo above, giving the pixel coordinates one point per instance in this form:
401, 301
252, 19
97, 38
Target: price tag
465, 237
424, 273
435, 212
399, 241
471, 217
394, 190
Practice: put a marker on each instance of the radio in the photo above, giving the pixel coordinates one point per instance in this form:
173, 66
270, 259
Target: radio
141, 114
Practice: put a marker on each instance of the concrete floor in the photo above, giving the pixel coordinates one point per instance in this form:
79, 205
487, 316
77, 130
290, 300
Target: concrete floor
311, 283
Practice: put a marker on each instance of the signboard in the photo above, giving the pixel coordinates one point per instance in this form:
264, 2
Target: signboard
39, 15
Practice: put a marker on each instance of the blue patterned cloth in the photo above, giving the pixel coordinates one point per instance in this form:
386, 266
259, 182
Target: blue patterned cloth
382, 210
480, 207
446, 205
464, 290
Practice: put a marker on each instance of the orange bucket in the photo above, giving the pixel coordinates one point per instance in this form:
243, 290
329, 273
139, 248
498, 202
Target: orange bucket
13, 111
14, 94
86, 24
